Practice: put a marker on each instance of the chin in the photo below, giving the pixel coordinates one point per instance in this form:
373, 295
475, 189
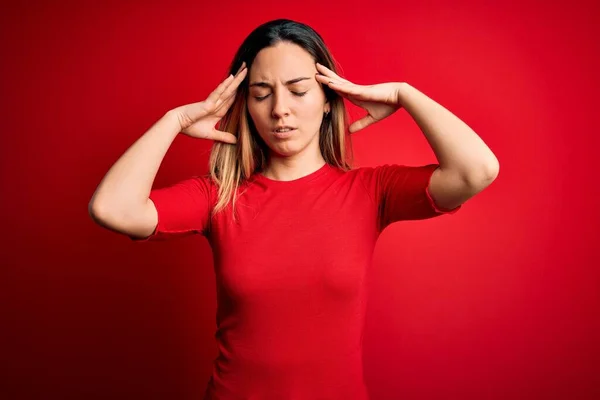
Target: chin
290, 146
285, 149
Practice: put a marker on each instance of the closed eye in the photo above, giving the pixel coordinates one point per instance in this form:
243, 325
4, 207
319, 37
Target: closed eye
299, 94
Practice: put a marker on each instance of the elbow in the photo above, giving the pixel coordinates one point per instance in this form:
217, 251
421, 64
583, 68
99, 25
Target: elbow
99, 210
484, 176
95, 211
491, 170
94, 208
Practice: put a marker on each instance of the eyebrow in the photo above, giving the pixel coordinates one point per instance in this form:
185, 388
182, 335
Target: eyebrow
291, 81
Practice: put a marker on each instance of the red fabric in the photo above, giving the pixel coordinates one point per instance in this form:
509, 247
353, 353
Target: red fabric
291, 273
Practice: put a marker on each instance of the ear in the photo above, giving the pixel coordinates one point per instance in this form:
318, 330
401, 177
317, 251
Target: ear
327, 107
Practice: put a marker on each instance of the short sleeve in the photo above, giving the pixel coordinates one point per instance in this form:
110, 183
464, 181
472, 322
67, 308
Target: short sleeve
402, 193
183, 209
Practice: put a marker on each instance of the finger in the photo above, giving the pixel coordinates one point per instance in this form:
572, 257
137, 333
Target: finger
230, 89
361, 123
225, 104
228, 97
324, 79
327, 72
215, 134
233, 85
241, 67
342, 87
224, 137
214, 96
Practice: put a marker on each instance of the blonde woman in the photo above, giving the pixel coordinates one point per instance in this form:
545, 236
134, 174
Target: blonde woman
291, 224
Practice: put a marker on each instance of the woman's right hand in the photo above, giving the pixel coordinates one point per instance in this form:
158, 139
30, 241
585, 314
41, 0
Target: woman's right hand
198, 120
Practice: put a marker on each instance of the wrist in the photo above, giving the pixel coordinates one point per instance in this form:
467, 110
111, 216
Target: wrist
401, 89
174, 117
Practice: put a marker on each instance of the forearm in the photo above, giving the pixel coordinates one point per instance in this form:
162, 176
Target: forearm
127, 184
457, 147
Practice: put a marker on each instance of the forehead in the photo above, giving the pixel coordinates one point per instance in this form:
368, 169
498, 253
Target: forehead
283, 61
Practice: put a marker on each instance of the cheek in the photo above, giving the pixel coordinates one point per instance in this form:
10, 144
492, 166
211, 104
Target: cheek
311, 106
257, 114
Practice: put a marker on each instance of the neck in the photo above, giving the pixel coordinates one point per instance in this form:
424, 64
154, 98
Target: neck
288, 168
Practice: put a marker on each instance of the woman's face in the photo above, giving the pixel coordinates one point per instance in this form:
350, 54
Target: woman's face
283, 91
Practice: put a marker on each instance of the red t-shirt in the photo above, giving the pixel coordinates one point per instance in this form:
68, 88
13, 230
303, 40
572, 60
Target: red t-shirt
291, 273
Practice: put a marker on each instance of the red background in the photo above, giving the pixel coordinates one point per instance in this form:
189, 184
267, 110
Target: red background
500, 301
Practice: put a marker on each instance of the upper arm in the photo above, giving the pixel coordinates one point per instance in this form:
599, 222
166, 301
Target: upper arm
401, 193
143, 224
138, 223
181, 209
449, 189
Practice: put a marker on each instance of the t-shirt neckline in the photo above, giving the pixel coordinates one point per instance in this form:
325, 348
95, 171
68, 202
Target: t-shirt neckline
295, 182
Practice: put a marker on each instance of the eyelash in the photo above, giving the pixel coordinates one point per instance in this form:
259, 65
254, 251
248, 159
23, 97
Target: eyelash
295, 93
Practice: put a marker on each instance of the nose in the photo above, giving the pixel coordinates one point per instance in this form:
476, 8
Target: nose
280, 105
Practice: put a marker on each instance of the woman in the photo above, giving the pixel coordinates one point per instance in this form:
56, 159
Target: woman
292, 226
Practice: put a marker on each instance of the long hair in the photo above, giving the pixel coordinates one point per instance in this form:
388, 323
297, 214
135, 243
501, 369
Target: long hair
231, 164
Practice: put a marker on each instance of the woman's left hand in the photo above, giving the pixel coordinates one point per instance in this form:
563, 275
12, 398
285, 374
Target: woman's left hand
380, 100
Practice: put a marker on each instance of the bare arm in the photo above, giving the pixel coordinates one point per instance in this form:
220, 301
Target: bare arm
121, 200
467, 165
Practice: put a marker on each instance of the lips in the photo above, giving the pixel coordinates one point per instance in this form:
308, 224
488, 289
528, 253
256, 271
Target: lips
284, 134
283, 128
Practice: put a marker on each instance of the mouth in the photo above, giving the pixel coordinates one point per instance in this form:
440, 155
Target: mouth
283, 128
283, 132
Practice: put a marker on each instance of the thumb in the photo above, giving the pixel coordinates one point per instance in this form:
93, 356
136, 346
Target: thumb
224, 137
361, 123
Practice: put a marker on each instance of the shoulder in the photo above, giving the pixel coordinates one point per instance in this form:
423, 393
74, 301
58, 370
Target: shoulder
394, 171
203, 183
